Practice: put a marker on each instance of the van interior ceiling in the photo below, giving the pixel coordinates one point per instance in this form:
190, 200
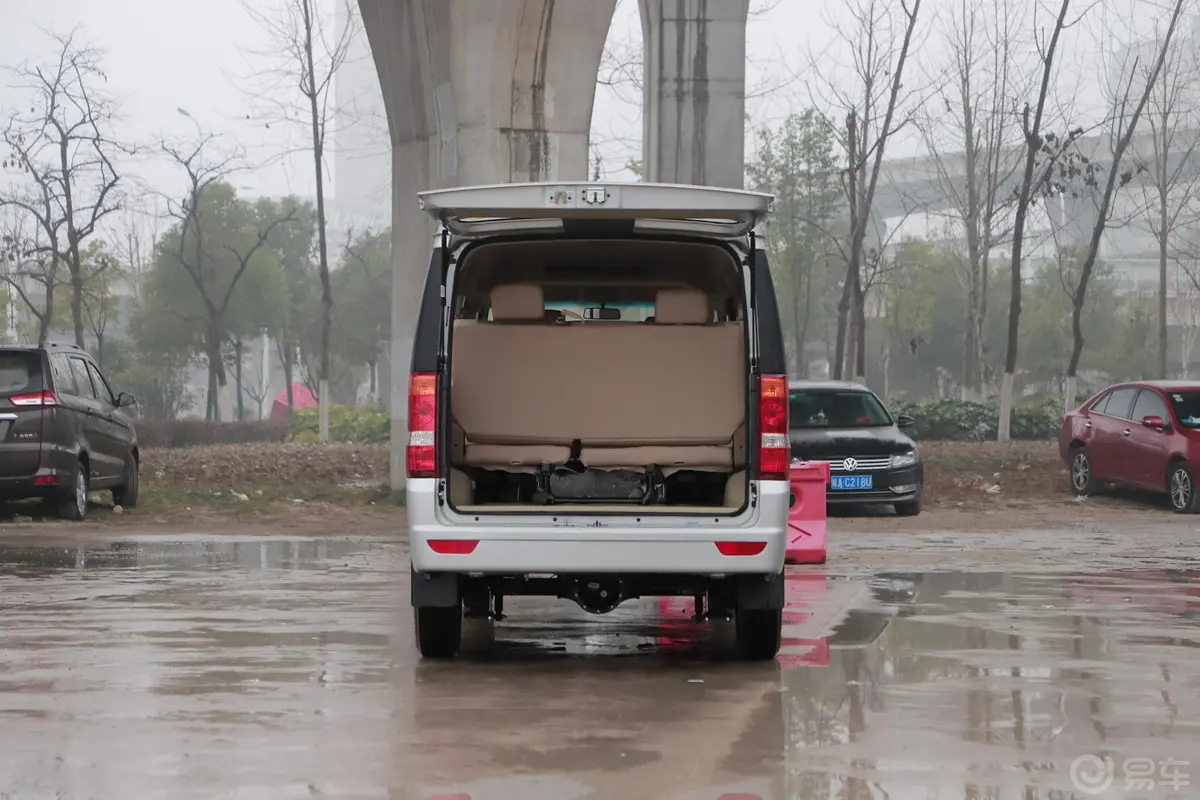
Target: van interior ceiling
598, 373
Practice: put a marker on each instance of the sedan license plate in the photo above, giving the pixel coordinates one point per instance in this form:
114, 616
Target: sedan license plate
851, 482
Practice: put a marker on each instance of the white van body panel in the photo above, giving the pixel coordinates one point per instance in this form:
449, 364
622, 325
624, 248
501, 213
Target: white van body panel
580, 543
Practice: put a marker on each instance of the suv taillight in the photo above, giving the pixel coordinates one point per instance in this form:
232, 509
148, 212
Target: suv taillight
774, 452
35, 399
422, 425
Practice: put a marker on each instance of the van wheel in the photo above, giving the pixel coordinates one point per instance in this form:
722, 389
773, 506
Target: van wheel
126, 494
439, 630
72, 504
1181, 488
759, 632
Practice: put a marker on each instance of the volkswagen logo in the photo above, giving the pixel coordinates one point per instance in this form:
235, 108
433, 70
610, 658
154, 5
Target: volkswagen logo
850, 464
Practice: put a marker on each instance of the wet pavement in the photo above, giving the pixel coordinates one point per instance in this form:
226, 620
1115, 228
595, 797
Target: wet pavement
267, 668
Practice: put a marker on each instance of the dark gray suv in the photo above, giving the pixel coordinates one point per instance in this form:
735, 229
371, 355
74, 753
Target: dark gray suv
63, 432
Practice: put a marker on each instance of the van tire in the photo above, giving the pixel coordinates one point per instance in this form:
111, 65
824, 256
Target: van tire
126, 495
438, 630
72, 503
759, 633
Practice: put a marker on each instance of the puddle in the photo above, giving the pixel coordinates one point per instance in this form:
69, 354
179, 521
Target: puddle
269, 668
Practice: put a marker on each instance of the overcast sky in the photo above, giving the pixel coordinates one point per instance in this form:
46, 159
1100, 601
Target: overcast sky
163, 55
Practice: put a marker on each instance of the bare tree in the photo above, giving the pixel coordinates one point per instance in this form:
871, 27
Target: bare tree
1041, 154
259, 387
201, 259
1128, 107
309, 51
136, 233
1171, 185
972, 134
880, 45
65, 147
29, 251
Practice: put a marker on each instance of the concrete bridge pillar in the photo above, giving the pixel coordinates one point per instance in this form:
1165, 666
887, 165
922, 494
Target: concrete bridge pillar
694, 105
476, 91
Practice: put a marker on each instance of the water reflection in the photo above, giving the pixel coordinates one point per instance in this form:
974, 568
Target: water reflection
274, 669
991, 684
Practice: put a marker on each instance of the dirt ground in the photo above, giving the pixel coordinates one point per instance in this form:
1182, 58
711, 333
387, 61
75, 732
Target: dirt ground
341, 488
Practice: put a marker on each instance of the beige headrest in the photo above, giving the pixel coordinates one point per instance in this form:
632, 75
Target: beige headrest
681, 307
518, 301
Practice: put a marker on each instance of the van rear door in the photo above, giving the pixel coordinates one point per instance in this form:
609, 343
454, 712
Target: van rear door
22, 406
478, 211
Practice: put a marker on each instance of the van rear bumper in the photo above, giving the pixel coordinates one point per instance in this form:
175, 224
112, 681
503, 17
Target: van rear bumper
596, 544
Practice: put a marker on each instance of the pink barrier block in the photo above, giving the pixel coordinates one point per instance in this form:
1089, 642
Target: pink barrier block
807, 518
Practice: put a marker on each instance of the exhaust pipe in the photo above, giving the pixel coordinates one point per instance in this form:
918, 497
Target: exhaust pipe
598, 595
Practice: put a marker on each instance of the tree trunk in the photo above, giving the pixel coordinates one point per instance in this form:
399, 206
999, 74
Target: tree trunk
76, 296
286, 354
857, 355
237, 377
47, 317
318, 145
798, 331
73, 259
210, 404
968, 356
1162, 290
1006, 404
980, 333
839, 352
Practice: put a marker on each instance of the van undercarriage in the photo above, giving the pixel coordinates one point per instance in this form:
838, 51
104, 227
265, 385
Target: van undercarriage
753, 602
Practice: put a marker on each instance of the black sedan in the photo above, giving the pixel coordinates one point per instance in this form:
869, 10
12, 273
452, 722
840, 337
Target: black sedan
870, 459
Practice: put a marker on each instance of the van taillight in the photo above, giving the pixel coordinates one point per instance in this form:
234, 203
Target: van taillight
35, 399
422, 425
774, 452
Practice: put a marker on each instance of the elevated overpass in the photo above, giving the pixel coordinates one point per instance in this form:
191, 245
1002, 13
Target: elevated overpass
926, 184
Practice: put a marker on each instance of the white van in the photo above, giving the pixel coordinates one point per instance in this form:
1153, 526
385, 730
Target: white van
598, 407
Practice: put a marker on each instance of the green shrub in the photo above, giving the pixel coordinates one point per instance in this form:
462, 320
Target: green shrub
355, 424
966, 421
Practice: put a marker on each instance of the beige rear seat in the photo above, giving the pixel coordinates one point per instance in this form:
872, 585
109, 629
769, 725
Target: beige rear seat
671, 393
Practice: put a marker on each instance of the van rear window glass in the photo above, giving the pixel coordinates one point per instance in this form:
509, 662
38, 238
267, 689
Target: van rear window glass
18, 373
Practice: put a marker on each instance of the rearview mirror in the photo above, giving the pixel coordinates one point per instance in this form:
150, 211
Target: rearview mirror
904, 421
602, 313
125, 400
1154, 422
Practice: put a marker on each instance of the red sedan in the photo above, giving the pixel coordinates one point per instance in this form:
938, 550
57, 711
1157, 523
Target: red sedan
1143, 434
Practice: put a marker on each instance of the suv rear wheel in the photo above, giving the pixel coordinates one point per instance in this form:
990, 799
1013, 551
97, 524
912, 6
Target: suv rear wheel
72, 504
759, 632
126, 495
439, 630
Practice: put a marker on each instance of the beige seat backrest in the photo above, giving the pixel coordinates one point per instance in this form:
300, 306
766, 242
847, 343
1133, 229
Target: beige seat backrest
678, 381
682, 307
518, 302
